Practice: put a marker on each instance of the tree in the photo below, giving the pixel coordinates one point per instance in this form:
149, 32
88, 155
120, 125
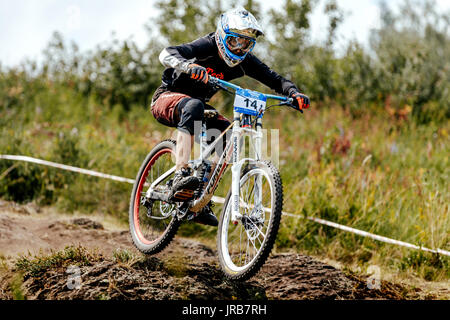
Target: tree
412, 50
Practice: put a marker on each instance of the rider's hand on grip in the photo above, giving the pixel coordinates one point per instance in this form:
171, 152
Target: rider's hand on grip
198, 73
301, 101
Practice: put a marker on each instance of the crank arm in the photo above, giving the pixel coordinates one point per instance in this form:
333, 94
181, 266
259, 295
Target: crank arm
157, 196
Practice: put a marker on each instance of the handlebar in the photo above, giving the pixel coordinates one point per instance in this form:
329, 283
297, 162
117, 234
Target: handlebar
225, 85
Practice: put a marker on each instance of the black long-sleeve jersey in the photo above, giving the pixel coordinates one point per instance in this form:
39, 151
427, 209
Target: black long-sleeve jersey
204, 52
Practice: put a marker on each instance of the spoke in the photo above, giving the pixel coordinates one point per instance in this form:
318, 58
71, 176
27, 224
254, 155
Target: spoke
254, 245
240, 239
267, 191
249, 193
253, 187
260, 232
235, 240
243, 204
246, 250
260, 242
234, 231
246, 189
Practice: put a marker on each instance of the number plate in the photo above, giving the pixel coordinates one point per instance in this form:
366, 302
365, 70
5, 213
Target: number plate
250, 102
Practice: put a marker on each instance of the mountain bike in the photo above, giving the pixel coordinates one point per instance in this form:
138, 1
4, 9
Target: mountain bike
251, 214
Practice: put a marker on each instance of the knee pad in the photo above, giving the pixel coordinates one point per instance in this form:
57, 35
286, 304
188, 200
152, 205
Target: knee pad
190, 111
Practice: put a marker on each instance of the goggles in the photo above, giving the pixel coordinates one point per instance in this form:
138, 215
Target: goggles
239, 44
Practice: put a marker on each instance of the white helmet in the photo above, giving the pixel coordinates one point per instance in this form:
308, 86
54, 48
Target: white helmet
237, 31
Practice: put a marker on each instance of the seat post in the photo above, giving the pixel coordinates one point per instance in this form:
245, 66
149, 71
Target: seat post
203, 140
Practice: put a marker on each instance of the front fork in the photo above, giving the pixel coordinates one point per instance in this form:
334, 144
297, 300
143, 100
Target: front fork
236, 168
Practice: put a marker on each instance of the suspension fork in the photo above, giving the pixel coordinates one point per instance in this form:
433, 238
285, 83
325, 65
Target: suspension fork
258, 178
235, 170
237, 166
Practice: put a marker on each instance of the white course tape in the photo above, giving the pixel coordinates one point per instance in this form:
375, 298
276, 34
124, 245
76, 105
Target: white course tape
65, 167
370, 235
222, 200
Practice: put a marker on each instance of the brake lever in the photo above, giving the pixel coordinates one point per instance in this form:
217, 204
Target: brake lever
288, 103
217, 85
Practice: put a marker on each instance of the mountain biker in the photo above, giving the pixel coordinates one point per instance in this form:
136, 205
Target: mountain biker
182, 98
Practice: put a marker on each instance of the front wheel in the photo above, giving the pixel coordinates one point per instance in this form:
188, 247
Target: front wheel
244, 247
153, 224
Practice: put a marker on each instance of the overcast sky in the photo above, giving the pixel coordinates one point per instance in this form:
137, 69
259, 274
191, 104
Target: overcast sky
26, 26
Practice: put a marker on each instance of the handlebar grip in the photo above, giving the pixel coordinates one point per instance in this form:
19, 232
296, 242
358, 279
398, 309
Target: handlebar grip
290, 102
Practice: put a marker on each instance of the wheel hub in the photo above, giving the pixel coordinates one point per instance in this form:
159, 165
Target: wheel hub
252, 222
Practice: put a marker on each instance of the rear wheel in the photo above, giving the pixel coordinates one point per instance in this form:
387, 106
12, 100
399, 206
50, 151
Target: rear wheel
153, 224
244, 247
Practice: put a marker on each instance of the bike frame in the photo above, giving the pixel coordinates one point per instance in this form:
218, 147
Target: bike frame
232, 149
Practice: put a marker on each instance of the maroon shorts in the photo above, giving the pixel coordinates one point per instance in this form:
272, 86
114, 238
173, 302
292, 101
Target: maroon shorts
164, 109
167, 109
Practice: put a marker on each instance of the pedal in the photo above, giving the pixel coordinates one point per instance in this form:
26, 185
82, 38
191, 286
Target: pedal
183, 195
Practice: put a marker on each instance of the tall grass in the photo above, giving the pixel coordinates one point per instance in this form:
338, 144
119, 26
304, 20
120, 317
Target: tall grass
378, 173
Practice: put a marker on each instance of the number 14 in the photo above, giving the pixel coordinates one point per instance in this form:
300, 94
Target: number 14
251, 103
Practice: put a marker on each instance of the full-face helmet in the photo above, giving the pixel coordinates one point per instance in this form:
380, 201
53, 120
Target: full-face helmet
237, 31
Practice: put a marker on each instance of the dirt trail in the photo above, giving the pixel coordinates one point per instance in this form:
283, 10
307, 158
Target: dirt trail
25, 229
185, 270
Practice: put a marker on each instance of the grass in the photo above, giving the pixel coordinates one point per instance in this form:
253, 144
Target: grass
373, 172
125, 257
12, 276
36, 266
15, 286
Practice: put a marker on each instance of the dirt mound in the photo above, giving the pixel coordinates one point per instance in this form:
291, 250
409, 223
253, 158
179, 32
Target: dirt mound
111, 268
152, 278
176, 276
295, 276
